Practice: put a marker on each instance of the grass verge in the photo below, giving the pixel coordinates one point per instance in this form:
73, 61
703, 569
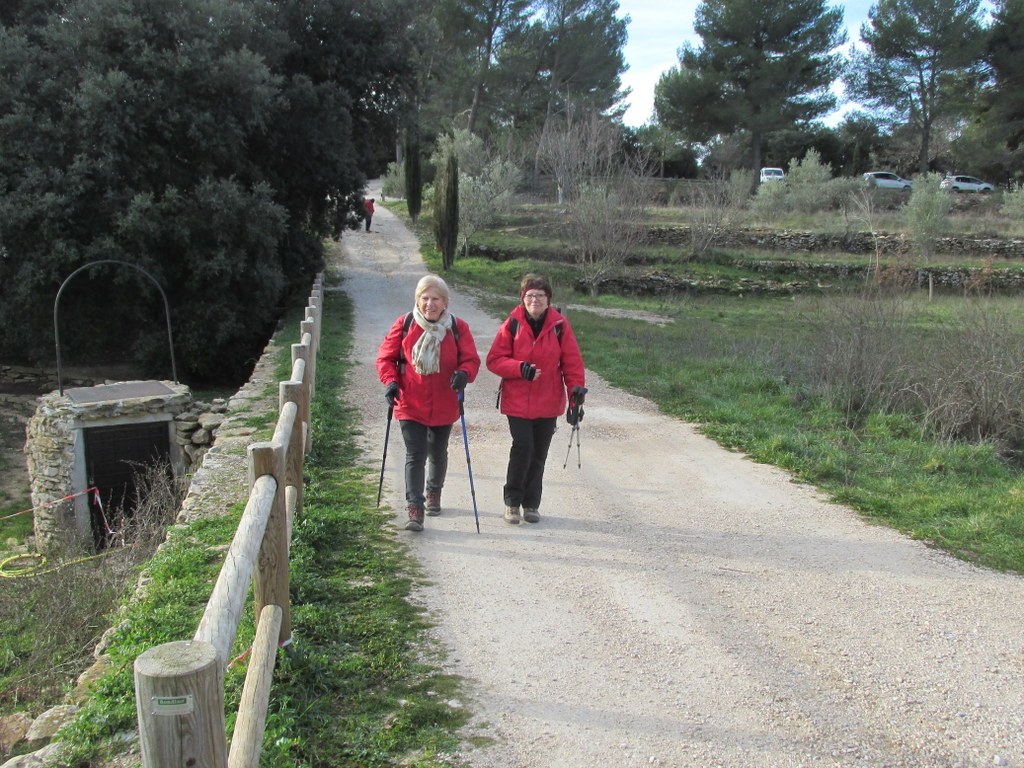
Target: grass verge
356, 687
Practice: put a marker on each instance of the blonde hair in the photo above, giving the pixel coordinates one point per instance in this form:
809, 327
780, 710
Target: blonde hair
431, 281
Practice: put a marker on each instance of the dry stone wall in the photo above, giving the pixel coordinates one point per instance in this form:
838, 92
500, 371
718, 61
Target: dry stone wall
852, 242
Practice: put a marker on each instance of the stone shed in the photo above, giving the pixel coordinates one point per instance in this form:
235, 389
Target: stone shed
84, 447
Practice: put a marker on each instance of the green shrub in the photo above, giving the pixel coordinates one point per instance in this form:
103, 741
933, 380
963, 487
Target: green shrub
808, 184
392, 183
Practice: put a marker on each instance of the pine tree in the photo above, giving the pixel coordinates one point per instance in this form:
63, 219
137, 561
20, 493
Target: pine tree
921, 60
763, 65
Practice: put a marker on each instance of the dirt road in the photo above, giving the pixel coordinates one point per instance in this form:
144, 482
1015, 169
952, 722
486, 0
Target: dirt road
680, 605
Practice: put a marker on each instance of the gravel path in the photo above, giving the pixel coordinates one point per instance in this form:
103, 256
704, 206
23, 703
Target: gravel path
679, 604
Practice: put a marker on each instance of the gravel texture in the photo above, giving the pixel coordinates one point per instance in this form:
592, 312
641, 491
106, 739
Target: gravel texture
679, 604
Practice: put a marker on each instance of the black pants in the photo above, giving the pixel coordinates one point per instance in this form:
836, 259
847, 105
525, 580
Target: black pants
424, 446
524, 481
369, 218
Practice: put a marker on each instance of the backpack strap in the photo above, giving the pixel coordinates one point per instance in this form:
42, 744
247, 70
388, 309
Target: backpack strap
513, 328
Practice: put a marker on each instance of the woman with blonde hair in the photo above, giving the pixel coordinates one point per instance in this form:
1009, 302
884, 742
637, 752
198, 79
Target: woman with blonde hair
425, 361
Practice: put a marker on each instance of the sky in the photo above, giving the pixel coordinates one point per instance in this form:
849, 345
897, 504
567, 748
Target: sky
658, 28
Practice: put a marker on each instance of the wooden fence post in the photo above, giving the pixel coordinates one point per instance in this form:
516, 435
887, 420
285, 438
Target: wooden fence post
179, 698
295, 392
270, 582
309, 326
301, 352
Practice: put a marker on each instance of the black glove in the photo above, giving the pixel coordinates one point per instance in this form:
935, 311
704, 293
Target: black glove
574, 414
527, 371
391, 393
579, 394
459, 380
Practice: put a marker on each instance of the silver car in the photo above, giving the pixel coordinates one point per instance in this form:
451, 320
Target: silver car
887, 180
965, 184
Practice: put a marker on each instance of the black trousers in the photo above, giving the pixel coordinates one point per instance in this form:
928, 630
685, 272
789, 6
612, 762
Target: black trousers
524, 480
426, 459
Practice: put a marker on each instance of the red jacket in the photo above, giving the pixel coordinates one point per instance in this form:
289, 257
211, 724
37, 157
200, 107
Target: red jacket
557, 355
429, 399
368, 205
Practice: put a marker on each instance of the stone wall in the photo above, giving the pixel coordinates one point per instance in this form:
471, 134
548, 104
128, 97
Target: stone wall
852, 242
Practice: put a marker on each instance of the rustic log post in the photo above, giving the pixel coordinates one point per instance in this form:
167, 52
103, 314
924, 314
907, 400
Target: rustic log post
317, 300
294, 392
179, 698
247, 739
270, 585
301, 352
300, 375
309, 326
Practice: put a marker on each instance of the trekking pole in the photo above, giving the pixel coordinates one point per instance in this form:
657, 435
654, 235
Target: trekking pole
469, 465
576, 405
384, 458
579, 460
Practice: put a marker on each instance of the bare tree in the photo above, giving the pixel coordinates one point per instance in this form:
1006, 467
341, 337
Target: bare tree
604, 192
720, 204
574, 151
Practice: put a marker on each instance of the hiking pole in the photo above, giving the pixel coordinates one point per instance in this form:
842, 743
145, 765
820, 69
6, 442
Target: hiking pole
384, 458
469, 465
574, 415
579, 460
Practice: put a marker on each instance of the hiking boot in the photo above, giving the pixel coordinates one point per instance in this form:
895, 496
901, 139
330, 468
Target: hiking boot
415, 518
434, 503
531, 514
512, 515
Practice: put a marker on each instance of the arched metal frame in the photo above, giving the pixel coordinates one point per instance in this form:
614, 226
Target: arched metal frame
56, 309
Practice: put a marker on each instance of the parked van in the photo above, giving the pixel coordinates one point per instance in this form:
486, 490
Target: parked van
772, 174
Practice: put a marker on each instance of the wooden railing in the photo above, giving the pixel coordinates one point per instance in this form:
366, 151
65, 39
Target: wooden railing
179, 686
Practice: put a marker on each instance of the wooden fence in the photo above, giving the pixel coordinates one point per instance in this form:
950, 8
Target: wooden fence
179, 686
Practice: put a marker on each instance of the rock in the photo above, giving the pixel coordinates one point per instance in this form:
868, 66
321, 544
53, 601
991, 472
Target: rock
13, 729
43, 758
210, 421
90, 676
47, 724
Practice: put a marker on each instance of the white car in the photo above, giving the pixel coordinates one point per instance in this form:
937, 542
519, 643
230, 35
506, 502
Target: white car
965, 184
772, 174
887, 180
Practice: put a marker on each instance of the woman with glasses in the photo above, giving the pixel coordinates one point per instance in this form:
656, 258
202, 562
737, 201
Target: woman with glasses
425, 361
536, 355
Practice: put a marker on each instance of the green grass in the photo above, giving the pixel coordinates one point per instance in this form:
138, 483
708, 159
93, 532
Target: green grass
355, 688
20, 525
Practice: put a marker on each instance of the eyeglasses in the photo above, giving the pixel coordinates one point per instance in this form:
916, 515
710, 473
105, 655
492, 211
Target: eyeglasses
535, 296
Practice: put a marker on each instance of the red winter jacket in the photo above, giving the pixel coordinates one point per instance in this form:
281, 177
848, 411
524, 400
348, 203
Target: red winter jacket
557, 356
429, 399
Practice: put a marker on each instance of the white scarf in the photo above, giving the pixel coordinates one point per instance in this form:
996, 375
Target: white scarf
426, 352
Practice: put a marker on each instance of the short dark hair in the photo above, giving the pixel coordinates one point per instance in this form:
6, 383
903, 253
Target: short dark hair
535, 282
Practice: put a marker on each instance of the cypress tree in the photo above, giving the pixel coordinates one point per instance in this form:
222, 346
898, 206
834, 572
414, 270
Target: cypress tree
446, 215
413, 175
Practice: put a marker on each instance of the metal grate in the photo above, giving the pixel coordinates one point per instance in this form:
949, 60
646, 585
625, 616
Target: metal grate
113, 457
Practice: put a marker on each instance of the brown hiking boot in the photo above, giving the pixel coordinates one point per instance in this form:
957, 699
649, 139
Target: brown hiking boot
415, 518
434, 503
512, 515
531, 514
